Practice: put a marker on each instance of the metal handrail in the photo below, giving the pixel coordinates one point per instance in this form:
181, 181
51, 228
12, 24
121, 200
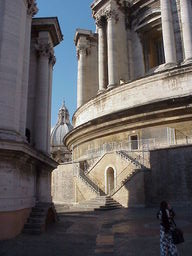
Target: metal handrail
78, 172
143, 145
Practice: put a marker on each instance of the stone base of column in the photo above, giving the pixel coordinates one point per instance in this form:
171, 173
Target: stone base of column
100, 91
168, 65
187, 61
111, 86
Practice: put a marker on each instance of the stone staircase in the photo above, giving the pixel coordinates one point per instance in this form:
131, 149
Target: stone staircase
100, 203
94, 187
134, 159
41, 215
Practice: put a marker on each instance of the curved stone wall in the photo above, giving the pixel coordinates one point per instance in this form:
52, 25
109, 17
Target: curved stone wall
172, 83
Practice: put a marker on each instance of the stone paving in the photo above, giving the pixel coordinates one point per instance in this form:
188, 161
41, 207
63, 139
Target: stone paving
124, 232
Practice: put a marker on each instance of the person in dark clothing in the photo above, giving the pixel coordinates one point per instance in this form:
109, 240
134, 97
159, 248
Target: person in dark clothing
166, 216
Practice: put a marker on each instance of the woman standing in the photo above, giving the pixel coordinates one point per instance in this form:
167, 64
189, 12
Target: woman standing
166, 215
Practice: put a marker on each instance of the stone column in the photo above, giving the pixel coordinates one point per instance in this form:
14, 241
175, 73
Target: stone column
81, 53
112, 51
168, 33
102, 54
12, 44
186, 16
52, 61
42, 96
31, 11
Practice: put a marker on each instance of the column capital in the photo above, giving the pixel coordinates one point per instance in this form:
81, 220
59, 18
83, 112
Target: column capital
31, 7
81, 50
44, 49
111, 14
99, 21
52, 59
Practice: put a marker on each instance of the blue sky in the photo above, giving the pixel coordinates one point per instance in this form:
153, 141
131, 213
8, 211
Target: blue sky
72, 15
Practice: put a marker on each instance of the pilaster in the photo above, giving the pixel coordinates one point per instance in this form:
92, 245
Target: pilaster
31, 11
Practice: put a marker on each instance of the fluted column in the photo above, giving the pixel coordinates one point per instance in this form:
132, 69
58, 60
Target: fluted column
168, 33
186, 16
81, 53
42, 96
111, 49
102, 54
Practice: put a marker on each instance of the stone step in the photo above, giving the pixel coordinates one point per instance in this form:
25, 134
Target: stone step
36, 222
110, 207
37, 214
32, 231
98, 203
76, 210
34, 225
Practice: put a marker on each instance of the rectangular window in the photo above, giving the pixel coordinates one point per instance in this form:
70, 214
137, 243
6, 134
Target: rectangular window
134, 142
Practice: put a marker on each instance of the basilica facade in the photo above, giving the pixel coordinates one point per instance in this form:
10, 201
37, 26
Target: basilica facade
26, 65
133, 126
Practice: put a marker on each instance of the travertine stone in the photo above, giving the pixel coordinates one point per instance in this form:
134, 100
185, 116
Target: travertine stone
186, 14
31, 7
52, 61
12, 45
81, 74
32, 10
168, 33
46, 35
112, 48
63, 187
32, 91
44, 49
102, 54
25, 172
149, 89
87, 53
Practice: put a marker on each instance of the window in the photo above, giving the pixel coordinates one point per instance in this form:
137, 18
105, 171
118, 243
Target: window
134, 142
153, 50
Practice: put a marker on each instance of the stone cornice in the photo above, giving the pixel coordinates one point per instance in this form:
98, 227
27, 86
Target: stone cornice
156, 87
26, 152
49, 24
157, 113
83, 33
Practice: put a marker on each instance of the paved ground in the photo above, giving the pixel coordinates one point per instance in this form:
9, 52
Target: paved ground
125, 232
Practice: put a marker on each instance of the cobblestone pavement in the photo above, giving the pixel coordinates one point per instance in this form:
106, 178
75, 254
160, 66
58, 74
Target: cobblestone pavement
124, 232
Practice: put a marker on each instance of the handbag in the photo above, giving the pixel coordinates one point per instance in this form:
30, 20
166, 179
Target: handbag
177, 235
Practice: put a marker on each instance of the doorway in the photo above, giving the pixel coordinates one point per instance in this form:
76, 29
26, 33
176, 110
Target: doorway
109, 180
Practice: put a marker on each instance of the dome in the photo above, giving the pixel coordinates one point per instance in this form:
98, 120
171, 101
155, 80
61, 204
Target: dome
62, 127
